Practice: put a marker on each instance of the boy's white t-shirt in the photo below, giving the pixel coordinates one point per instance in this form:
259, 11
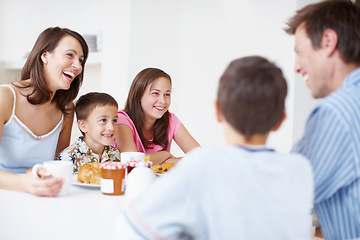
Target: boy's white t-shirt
226, 193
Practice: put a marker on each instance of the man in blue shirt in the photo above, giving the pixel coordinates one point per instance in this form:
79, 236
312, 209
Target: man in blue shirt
327, 45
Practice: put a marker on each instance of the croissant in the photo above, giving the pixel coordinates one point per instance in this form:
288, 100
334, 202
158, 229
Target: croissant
90, 173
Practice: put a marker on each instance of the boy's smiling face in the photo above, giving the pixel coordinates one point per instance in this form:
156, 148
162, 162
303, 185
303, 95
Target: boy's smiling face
99, 127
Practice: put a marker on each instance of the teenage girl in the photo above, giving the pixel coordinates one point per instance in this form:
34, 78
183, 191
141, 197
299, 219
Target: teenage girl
146, 125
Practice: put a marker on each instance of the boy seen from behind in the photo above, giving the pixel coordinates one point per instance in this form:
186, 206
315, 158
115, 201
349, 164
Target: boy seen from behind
240, 191
96, 115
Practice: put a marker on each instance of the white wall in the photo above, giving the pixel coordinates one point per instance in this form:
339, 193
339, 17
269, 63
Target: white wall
22, 21
192, 40
195, 40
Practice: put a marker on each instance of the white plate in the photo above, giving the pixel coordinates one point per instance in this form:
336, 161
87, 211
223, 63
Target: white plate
77, 183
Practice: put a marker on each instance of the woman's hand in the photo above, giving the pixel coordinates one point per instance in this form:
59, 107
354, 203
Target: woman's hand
42, 173
47, 187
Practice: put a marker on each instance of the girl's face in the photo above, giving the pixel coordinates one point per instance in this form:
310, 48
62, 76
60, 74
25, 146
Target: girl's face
156, 99
63, 64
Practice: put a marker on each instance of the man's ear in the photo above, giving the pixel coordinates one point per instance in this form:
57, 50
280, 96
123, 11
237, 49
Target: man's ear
278, 125
329, 41
219, 116
44, 57
82, 125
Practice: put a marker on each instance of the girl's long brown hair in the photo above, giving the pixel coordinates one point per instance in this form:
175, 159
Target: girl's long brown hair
134, 110
33, 69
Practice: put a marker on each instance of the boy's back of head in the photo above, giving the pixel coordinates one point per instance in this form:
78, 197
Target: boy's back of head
251, 95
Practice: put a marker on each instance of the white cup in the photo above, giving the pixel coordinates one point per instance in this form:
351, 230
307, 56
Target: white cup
61, 169
132, 156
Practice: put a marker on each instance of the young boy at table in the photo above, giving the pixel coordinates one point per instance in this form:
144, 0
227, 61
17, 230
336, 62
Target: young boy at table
240, 191
96, 115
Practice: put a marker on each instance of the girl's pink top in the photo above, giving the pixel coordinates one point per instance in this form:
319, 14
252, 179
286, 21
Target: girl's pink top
174, 125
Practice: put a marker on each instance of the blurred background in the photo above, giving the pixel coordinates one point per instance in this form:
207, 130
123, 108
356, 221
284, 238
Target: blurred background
192, 40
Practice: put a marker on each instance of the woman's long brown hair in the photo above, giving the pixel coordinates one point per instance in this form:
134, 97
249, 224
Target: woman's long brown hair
134, 110
33, 69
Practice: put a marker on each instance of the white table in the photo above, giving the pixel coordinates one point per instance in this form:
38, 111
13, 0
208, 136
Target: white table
83, 214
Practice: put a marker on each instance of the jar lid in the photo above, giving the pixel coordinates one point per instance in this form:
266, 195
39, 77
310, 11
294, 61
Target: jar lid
135, 163
113, 165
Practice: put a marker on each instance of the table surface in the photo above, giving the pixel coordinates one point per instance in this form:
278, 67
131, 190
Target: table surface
83, 214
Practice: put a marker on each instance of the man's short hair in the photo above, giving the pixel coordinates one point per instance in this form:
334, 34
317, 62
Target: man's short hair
251, 95
343, 16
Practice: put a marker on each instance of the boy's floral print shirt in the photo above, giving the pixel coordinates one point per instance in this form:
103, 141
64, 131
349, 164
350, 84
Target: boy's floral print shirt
80, 153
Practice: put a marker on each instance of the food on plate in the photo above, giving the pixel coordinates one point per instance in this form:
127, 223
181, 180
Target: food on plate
90, 173
162, 168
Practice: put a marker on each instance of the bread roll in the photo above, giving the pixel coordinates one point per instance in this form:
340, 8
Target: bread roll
162, 168
90, 173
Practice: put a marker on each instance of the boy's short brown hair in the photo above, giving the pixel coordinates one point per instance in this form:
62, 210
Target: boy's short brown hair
86, 103
251, 95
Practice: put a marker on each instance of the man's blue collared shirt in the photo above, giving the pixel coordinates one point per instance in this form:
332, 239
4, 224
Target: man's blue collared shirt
332, 144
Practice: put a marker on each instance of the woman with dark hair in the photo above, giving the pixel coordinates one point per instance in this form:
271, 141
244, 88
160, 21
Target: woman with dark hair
36, 113
146, 125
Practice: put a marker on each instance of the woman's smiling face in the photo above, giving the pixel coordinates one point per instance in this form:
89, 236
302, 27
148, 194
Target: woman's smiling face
63, 64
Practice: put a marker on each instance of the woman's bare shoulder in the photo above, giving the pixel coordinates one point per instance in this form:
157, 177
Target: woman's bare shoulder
6, 103
6, 95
